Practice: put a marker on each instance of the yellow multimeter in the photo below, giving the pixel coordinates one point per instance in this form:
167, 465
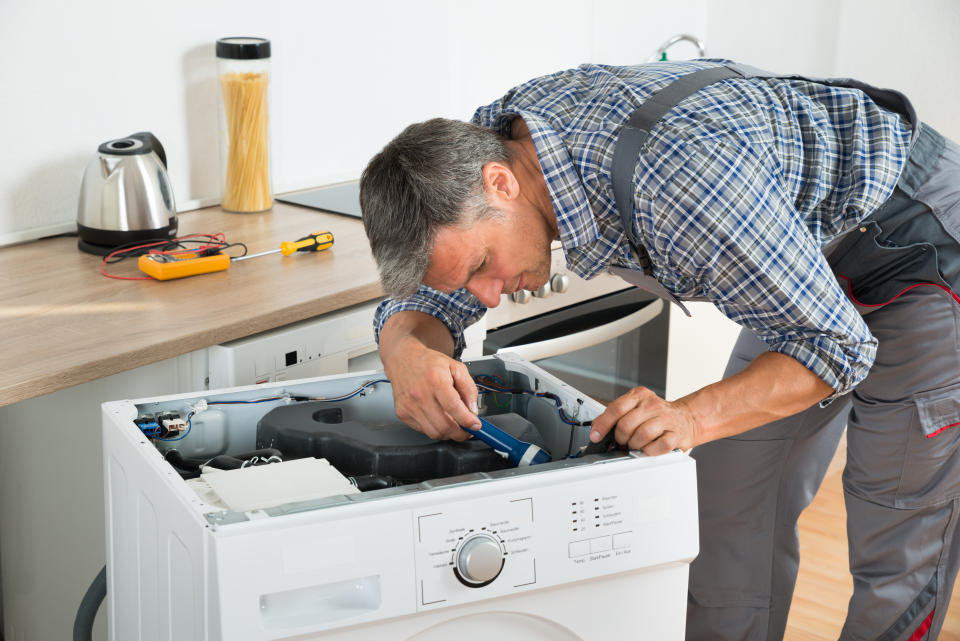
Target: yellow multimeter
169, 266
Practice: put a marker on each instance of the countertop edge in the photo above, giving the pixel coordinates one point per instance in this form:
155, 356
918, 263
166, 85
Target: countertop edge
142, 355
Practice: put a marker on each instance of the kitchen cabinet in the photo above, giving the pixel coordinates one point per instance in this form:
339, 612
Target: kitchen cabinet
73, 339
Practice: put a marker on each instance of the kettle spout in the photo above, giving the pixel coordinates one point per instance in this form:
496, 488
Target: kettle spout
108, 165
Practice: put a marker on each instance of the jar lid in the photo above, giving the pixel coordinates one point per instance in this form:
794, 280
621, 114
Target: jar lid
243, 48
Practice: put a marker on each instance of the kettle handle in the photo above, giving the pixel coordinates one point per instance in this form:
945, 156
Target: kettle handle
151, 143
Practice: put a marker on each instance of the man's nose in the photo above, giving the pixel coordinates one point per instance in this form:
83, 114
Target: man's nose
486, 289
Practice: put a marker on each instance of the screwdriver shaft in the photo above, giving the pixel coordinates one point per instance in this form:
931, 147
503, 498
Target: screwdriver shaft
272, 251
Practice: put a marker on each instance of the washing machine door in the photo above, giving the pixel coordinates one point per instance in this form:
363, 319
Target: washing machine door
497, 625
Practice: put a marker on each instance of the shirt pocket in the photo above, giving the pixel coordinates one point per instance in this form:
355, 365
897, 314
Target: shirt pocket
931, 470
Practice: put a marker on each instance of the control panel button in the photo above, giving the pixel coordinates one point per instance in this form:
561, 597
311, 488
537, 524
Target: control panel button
622, 540
479, 560
579, 548
600, 544
543, 292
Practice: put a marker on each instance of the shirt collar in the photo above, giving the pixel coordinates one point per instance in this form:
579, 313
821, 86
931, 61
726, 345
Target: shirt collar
575, 220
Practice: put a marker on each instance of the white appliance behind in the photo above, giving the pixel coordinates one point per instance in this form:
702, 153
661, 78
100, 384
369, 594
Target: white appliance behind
334, 343
330, 344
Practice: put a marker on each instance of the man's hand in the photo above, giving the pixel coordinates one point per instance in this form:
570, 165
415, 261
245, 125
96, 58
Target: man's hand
772, 386
644, 421
433, 393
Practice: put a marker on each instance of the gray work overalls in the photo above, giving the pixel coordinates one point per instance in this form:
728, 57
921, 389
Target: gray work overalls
901, 267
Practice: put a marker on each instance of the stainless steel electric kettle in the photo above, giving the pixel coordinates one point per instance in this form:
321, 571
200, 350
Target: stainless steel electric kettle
125, 196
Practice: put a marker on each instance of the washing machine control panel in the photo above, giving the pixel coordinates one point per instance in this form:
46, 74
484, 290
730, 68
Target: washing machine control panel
464, 547
504, 537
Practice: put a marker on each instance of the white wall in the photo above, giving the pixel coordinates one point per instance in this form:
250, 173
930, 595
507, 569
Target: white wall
347, 77
910, 46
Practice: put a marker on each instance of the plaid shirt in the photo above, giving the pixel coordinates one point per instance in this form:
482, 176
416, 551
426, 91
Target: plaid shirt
738, 189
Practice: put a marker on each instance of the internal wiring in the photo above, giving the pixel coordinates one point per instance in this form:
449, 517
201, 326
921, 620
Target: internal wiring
328, 399
282, 397
186, 432
266, 399
348, 395
487, 384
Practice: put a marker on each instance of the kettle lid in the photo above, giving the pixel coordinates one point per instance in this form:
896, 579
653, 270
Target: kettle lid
142, 142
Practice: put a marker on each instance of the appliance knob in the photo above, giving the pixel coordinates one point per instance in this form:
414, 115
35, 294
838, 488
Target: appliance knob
559, 283
544, 291
520, 296
479, 561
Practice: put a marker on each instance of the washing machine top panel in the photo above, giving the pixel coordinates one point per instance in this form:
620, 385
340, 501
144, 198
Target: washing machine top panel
350, 421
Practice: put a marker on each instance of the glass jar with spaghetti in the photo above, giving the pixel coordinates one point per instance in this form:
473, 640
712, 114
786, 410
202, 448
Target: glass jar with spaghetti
243, 65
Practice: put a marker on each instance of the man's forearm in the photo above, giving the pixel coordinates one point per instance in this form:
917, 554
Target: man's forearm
406, 327
771, 387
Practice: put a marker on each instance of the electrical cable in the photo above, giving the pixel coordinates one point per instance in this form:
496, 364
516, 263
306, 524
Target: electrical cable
258, 400
329, 399
207, 245
182, 436
349, 395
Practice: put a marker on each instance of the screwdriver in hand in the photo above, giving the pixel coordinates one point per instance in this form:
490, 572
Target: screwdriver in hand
313, 243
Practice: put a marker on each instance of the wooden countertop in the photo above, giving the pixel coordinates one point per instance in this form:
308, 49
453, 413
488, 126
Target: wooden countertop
63, 323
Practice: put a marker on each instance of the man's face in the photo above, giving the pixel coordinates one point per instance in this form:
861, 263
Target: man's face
495, 256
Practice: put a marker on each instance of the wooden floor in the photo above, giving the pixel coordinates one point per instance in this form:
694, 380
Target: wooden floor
824, 584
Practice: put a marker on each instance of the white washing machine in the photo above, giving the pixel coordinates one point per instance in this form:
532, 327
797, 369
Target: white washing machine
593, 545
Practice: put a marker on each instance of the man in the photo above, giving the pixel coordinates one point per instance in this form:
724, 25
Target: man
809, 212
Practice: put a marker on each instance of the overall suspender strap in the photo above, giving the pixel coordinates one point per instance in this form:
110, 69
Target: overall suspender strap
634, 134
638, 126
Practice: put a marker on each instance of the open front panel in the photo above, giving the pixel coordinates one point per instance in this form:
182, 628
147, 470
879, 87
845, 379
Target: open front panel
237, 448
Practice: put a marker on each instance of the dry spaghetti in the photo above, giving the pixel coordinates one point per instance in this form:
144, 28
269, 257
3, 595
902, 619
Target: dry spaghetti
247, 183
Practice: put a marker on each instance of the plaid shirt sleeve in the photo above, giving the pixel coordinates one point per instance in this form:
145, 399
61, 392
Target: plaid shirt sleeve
457, 311
723, 221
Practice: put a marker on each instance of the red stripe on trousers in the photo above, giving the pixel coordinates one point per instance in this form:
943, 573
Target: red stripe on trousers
922, 630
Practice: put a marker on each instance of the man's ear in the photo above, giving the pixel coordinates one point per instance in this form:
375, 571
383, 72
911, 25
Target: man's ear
499, 182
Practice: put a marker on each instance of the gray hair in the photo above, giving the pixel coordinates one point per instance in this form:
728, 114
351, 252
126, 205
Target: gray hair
428, 177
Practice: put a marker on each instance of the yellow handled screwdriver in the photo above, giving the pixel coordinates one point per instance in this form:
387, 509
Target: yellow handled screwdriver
313, 243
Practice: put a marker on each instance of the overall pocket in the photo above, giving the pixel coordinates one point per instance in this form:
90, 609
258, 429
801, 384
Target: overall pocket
878, 270
931, 471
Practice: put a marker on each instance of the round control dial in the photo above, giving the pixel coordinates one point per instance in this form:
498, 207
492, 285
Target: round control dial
520, 296
559, 283
479, 560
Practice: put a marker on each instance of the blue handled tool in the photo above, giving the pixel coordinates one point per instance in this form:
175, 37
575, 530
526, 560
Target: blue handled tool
519, 452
